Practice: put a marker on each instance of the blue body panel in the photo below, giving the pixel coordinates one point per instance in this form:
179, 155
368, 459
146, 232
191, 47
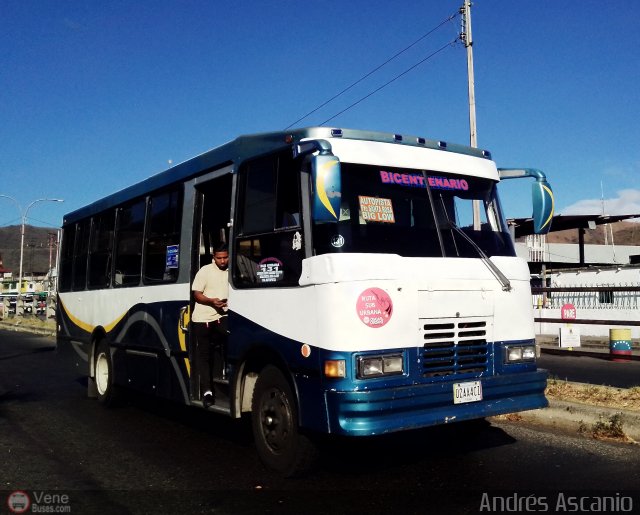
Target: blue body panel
360, 407
370, 412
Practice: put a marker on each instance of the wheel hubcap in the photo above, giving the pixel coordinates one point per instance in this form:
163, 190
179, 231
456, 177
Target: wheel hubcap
276, 419
102, 373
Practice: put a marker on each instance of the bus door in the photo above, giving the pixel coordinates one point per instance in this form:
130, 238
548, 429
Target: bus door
211, 195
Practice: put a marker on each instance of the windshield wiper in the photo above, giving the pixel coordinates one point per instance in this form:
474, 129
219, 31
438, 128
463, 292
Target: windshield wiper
502, 279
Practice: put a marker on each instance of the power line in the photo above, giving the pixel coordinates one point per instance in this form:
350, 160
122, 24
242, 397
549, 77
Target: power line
374, 70
451, 43
13, 221
44, 222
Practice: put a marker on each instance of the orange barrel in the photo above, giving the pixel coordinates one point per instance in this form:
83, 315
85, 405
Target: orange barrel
620, 344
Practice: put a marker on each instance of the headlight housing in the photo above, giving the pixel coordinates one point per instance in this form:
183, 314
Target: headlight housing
378, 366
519, 354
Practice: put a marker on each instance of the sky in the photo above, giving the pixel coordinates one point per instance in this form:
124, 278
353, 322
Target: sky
98, 95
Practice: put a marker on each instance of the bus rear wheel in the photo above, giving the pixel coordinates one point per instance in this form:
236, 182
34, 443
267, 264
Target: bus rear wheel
274, 418
108, 392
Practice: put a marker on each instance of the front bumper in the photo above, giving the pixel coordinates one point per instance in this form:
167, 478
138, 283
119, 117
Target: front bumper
371, 412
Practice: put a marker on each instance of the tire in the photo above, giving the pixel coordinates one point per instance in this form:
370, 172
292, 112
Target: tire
274, 417
108, 393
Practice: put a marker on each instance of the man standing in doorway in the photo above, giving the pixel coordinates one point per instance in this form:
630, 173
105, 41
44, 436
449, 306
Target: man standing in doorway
209, 321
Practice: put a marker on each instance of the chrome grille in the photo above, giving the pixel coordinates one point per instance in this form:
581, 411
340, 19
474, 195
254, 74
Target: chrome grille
454, 347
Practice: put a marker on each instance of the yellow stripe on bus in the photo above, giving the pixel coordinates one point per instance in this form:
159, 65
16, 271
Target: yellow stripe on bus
88, 327
548, 190
182, 339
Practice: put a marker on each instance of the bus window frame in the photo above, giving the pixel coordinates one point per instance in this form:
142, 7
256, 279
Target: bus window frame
116, 254
245, 270
109, 269
178, 189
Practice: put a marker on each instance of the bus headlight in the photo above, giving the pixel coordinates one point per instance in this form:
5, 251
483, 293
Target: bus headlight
519, 353
377, 366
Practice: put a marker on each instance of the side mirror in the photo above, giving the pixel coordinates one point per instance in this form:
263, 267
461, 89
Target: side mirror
542, 199
325, 173
541, 196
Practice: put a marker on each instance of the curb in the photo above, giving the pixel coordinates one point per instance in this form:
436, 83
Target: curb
581, 418
17, 327
587, 353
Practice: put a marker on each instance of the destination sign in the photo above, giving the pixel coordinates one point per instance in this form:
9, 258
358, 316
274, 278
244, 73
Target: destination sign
414, 180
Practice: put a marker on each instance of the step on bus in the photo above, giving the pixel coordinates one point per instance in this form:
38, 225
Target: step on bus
373, 286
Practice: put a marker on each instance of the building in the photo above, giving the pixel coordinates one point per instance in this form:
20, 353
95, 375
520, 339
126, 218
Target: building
600, 283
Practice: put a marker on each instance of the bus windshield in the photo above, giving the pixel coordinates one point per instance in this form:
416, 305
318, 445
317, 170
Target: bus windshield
414, 213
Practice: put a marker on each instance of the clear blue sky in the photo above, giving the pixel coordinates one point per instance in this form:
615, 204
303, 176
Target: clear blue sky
95, 96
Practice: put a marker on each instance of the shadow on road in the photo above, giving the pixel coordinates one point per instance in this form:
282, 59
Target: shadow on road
199, 420
28, 352
451, 442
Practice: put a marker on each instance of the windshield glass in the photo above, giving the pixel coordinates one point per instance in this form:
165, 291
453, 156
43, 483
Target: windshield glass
413, 213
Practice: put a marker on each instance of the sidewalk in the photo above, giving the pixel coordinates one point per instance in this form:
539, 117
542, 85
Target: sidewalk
582, 418
31, 324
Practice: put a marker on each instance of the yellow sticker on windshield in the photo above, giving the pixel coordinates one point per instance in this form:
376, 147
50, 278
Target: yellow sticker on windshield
374, 209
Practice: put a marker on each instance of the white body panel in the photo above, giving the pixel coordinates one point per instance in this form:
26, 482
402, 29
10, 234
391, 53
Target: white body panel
93, 308
323, 311
402, 156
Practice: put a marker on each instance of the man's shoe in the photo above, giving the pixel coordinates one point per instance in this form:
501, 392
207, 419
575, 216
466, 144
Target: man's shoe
208, 399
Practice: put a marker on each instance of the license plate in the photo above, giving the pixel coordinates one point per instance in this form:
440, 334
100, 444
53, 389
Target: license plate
467, 392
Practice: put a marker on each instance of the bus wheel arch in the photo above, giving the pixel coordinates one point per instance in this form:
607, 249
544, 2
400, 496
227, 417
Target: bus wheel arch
252, 365
274, 420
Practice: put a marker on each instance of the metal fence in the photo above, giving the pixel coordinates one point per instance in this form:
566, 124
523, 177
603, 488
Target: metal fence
601, 296
605, 298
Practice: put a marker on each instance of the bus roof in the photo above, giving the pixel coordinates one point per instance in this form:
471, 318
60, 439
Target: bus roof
236, 151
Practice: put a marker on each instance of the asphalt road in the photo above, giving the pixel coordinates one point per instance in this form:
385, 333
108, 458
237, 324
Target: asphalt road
593, 370
156, 457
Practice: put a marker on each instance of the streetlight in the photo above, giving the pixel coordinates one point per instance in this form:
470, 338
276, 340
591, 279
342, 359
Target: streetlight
23, 221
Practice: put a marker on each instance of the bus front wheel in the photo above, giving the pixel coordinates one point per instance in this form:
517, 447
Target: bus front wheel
106, 389
274, 418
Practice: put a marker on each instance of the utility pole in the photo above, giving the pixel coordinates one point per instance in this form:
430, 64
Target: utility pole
467, 39
51, 238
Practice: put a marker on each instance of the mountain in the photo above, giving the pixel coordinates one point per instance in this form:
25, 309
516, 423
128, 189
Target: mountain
624, 233
38, 241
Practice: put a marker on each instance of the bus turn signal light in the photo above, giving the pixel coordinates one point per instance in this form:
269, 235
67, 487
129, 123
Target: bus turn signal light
335, 368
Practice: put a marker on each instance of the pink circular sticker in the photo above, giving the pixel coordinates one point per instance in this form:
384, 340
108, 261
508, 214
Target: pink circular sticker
374, 307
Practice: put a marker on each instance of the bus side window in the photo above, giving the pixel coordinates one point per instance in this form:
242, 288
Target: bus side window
129, 236
80, 255
163, 237
100, 250
259, 196
66, 257
269, 247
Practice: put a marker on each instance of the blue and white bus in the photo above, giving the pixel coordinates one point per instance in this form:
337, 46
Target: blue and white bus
374, 286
